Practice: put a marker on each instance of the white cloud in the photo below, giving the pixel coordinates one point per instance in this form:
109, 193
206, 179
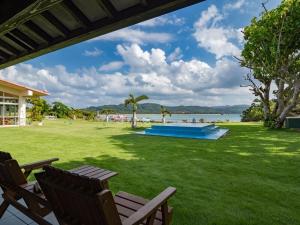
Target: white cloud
234, 5
175, 55
112, 66
218, 40
135, 36
192, 82
95, 52
163, 20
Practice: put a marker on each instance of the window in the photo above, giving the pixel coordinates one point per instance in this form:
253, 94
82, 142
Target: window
9, 107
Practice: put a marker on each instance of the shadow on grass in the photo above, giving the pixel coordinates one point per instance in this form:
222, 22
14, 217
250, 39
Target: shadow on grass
251, 176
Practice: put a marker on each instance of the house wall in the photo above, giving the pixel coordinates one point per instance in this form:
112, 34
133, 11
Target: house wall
21, 105
22, 111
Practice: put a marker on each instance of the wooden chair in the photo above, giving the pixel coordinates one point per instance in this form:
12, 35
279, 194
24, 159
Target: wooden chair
79, 200
13, 181
15, 187
28, 168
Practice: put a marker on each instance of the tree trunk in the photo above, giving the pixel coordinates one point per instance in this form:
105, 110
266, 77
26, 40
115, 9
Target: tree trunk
163, 119
266, 101
287, 109
280, 97
134, 120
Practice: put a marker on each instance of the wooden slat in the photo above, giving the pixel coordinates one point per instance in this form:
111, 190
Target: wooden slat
4, 55
38, 164
39, 31
133, 206
107, 176
126, 213
78, 168
76, 13
133, 198
151, 207
56, 23
18, 42
24, 38
99, 174
108, 8
8, 47
94, 171
85, 170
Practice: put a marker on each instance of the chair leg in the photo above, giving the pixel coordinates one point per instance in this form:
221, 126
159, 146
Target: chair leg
36, 207
3, 207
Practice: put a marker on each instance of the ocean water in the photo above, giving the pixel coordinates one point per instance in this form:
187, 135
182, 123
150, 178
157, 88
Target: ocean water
190, 117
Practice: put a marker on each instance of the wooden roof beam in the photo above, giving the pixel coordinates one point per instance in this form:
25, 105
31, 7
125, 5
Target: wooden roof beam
108, 8
76, 13
38, 31
24, 38
17, 41
4, 55
144, 2
9, 48
55, 22
16, 12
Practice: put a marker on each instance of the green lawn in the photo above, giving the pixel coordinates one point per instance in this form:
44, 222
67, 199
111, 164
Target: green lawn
251, 176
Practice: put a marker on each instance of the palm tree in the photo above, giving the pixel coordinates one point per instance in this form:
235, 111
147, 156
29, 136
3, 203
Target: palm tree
164, 112
134, 103
107, 112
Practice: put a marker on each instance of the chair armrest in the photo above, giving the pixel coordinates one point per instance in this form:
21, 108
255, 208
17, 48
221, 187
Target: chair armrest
150, 208
38, 165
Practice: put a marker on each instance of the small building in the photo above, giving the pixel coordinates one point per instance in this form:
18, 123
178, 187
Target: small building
292, 122
13, 102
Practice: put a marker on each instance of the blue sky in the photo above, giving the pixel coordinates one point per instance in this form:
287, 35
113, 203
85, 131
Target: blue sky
182, 58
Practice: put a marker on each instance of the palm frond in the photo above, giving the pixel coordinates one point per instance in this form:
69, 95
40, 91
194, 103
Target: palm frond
127, 102
168, 113
141, 97
131, 96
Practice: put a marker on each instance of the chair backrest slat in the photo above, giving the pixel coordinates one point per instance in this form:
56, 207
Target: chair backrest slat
4, 156
11, 173
77, 199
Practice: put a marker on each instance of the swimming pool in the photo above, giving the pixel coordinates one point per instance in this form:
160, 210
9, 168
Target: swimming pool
186, 130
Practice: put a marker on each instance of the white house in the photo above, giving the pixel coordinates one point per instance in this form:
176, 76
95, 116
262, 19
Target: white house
13, 102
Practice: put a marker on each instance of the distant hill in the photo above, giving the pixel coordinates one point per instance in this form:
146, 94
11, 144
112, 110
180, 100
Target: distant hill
152, 108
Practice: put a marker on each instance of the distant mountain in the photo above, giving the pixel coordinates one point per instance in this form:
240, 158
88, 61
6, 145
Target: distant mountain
152, 108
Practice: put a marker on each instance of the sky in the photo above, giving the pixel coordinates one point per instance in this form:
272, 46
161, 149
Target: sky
182, 58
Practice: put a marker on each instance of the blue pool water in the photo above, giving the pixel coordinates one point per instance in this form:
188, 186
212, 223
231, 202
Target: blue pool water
186, 130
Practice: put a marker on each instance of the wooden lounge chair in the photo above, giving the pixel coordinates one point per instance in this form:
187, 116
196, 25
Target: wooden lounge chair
28, 168
16, 187
78, 200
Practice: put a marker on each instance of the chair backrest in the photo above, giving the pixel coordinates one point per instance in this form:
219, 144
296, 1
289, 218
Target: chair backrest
11, 173
4, 156
76, 199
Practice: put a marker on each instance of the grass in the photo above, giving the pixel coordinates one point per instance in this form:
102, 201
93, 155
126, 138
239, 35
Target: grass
251, 176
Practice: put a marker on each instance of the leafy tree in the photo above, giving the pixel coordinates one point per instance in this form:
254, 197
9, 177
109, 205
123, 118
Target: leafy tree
134, 104
39, 108
88, 115
164, 112
272, 53
75, 114
60, 110
107, 112
254, 112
